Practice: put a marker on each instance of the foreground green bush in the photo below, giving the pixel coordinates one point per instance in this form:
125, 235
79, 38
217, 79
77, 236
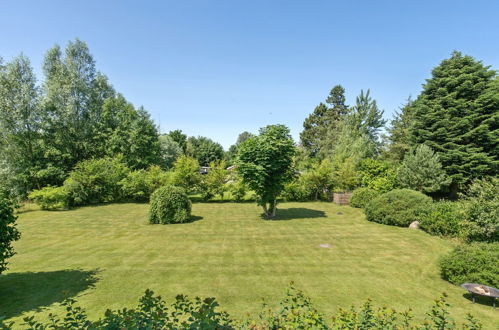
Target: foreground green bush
475, 263
169, 204
398, 207
96, 181
362, 196
442, 218
296, 311
50, 198
8, 231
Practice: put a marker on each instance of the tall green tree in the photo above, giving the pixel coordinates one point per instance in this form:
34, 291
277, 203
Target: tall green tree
323, 120
399, 137
73, 96
170, 150
129, 132
204, 150
179, 137
231, 154
20, 124
265, 164
365, 117
456, 115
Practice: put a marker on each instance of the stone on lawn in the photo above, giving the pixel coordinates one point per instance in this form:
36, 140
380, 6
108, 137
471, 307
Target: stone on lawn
414, 225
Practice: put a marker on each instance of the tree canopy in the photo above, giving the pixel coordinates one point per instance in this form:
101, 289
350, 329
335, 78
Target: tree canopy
265, 164
456, 115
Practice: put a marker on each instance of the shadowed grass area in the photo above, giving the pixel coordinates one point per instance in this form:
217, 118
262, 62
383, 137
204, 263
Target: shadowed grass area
27, 291
234, 255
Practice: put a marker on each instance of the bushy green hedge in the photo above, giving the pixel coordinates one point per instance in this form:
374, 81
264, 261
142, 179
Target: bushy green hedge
398, 207
169, 204
96, 181
140, 184
296, 191
362, 196
482, 211
442, 218
50, 198
295, 311
474, 263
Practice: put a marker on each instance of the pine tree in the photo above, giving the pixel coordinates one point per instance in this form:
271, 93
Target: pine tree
422, 171
323, 121
399, 138
456, 115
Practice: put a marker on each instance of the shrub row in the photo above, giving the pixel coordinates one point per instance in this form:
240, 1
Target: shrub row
296, 311
110, 180
474, 263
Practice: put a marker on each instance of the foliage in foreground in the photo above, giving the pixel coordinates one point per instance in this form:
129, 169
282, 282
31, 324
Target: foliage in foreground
398, 207
8, 231
295, 311
474, 263
169, 204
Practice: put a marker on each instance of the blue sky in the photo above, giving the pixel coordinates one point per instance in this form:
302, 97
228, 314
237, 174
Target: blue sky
217, 68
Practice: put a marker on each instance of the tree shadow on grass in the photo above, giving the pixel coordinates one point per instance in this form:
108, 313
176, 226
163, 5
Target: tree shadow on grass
481, 300
293, 213
32, 291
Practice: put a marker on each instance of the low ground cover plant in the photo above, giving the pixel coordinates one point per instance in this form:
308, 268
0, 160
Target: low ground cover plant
295, 311
474, 263
169, 204
398, 207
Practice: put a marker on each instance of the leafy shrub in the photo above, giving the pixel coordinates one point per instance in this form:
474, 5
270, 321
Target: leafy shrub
297, 191
475, 263
296, 311
442, 218
482, 211
237, 190
8, 231
96, 181
169, 204
151, 313
362, 196
398, 207
377, 175
139, 185
50, 198
185, 173
213, 183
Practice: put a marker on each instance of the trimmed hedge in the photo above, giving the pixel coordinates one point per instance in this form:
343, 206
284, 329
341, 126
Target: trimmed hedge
475, 263
362, 196
169, 204
442, 218
398, 207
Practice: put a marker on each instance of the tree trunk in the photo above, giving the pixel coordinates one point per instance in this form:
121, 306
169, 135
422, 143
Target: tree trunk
265, 211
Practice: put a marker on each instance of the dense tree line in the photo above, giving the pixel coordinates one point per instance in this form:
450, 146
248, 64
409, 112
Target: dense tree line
75, 114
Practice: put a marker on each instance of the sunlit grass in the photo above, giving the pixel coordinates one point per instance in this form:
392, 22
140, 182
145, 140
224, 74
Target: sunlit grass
106, 256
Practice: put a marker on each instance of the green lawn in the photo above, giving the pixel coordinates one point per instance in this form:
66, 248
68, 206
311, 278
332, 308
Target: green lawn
106, 256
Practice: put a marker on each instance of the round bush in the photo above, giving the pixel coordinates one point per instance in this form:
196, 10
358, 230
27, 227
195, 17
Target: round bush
362, 196
169, 204
442, 218
474, 263
398, 207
